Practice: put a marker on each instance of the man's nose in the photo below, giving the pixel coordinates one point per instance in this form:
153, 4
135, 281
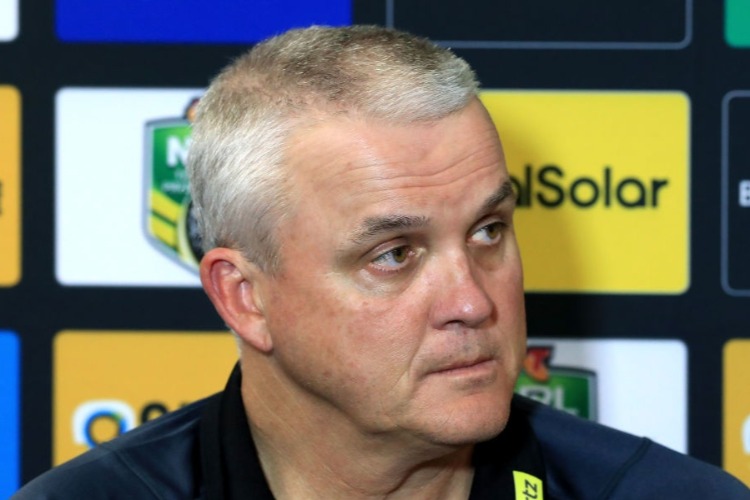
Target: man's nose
461, 300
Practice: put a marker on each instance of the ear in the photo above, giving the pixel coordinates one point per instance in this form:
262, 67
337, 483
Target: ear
233, 285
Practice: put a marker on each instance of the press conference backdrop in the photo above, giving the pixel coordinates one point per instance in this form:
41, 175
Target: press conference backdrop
626, 130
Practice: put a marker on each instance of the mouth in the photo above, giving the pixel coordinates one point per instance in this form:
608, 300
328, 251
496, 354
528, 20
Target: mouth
467, 367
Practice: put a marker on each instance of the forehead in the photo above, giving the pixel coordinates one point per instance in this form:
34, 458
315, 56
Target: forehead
354, 159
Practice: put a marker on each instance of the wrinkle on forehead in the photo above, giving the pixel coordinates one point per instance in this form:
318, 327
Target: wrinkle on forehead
352, 166
431, 168
372, 167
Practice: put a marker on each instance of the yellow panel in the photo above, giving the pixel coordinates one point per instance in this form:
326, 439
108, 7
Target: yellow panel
10, 186
603, 182
121, 372
737, 409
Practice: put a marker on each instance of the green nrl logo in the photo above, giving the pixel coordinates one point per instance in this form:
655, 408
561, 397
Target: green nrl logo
569, 389
170, 224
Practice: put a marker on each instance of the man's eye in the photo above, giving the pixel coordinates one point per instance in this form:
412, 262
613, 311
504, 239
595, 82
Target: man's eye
489, 233
393, 259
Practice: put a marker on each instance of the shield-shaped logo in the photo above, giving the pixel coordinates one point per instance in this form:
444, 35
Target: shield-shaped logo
169, 221
568, 389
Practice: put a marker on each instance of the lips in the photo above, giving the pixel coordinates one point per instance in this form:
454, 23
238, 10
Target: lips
459, 366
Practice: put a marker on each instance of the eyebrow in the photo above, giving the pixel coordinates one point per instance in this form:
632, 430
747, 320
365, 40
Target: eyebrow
372, 227
504, 192
375, 226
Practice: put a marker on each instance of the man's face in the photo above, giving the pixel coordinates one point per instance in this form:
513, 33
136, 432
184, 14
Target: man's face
398, 309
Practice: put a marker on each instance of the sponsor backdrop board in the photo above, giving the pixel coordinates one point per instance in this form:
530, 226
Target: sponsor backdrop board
586, 24
220, 21
737, 22
624, 127
736, 193
8, 20
104, 162
614, 382
603, 200
109, 382
10, 413
10, 186
737, 408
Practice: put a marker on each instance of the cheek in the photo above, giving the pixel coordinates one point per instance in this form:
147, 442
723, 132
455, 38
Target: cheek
380, 336
509, 300
341, 338
504, 284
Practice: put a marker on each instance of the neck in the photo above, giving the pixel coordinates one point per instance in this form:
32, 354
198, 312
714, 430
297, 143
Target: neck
312, 454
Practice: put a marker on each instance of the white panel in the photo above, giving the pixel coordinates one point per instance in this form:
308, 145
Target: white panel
99, 206
8, 20
641, 384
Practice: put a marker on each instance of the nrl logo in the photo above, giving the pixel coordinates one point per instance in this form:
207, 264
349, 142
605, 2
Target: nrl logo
569, 389
170, 224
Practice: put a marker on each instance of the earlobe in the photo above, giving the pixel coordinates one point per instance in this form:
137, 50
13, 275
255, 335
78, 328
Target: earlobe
232, 285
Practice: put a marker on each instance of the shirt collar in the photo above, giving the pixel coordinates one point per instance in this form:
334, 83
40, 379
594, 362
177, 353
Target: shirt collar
231, 466
507, 466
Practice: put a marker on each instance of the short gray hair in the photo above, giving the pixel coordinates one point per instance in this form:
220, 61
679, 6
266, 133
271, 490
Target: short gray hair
243, 120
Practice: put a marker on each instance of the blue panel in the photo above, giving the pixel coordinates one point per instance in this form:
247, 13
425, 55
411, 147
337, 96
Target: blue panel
196, 21
9, 414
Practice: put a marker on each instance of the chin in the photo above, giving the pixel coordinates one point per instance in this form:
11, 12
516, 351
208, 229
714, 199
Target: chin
471, 423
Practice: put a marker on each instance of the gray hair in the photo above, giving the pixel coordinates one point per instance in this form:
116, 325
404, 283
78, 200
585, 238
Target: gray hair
243, 120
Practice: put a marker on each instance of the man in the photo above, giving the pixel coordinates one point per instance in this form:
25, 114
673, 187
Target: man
357, 217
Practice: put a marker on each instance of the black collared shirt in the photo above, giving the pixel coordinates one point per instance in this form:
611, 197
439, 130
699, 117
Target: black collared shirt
232, 469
